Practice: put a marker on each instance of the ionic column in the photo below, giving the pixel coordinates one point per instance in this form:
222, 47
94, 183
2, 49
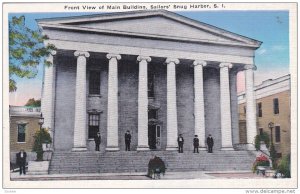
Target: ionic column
112, 103
172, 131
143, 103
199, 103
80, 103
250, 106
225, 107
47, 103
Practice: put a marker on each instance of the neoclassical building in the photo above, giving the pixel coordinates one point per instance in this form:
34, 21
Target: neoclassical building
155, 73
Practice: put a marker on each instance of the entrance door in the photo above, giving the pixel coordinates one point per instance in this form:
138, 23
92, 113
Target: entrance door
152, 136
154, 133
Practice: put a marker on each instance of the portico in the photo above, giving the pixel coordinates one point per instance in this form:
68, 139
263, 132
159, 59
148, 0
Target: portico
192, 73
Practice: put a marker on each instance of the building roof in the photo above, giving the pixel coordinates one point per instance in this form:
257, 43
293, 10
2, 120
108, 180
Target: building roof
26, 111
106, 24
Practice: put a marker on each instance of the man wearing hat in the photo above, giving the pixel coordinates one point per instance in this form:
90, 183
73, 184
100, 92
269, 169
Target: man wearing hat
210, 143
127, 140
97, 141
21, 161
180, 141
196, 144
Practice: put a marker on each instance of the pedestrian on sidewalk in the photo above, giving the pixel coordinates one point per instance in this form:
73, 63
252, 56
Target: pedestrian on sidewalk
127, 140
21, 161
210, 143
196, 144
180, 141
97, 141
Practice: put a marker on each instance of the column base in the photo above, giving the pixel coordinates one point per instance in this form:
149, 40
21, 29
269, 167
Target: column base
172, 148
142, 148
250, 147
202, 148
227, 149
112, 149
82, 149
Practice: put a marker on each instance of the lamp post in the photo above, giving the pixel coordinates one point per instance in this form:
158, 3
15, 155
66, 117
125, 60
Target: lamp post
41, 120
271, 126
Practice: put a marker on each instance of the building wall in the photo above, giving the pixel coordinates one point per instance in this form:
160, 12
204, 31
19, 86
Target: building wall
128, 104
282, 119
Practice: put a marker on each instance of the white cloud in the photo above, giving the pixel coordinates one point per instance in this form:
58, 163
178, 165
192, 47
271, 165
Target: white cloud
278, 48
261, 51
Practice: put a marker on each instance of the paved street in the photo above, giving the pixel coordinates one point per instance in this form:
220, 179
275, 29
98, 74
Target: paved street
139, 176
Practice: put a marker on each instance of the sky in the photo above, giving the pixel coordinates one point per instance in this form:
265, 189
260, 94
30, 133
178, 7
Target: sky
269, 27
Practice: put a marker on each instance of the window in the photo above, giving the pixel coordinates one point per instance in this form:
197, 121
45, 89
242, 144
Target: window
158, 135
261, 130
94, 82
277, 133
245, 109
150, 84
94, 120
259, 109
152, 114
21, 132
276, 105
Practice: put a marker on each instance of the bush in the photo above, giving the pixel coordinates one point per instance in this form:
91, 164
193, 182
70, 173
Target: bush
156, 165
284, 166
261, 160
262, 137
40, 137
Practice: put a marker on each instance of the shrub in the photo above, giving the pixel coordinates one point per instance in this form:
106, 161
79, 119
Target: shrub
40, 137
156, 165
284, 166
261, 160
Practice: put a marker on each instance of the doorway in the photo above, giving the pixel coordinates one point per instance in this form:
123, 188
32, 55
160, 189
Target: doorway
154, 133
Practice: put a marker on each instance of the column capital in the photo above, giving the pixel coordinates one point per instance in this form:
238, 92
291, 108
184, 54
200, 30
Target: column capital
112, 55
229, 65
53, 52
82, 53
253, 67
146, 58
200, 62
174, 60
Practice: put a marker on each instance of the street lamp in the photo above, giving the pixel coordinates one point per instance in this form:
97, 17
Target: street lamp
271, 126
41, 120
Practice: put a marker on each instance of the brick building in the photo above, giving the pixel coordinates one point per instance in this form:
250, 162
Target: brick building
273, 105
23, 125
154, 73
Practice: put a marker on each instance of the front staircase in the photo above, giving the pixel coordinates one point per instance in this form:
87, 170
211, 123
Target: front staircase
134, 161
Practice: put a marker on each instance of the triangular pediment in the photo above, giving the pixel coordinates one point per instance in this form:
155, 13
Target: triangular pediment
152, 24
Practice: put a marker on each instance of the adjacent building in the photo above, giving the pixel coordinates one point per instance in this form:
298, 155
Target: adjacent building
24, 122
273, 102
155, 73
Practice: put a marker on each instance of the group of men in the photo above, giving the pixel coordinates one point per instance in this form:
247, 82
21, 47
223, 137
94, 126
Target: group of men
209, 142
180, 140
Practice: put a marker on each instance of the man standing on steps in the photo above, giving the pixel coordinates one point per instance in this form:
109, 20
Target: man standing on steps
97, 141
196, 144
127, 140
21, 161
180, 141
210, 143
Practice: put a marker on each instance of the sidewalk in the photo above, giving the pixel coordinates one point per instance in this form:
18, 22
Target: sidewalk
138, 176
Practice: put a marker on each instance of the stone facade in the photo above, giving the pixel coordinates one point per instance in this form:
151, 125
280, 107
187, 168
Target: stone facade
194, 82
265, 93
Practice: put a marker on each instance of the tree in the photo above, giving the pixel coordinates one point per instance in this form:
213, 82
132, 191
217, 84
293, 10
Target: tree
33, 102
40, 137
26, 51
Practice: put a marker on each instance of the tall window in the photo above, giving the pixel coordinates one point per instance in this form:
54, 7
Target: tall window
94, 121
259, 109
21, 132
261, 130
277, 133
94, 82
245, 109
150, 84
276, 105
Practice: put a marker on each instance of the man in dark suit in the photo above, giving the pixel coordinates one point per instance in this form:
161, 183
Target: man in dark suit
210, 143
196, 144
97, 141
127, 140
180, 141
21, 161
